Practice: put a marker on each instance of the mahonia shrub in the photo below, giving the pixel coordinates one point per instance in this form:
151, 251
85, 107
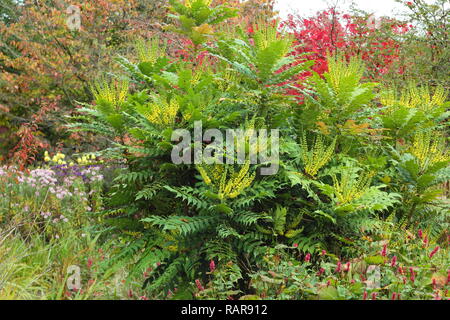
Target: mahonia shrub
351, 161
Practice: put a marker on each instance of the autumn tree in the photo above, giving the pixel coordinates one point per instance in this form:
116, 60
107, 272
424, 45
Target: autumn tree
47, 60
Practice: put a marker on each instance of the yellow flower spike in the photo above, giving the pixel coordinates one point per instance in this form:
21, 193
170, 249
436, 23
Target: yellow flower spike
429, 148
226, 182
204, 175
317, 156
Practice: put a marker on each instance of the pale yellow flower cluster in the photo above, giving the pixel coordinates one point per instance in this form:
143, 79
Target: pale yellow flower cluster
60, 159
228, 184
57, 158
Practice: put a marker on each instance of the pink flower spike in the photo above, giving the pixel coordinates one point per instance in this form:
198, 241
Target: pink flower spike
434, 251
365, 295
394, 295
384, 250
420, 233
394, 261
374, 295
199, 285
412, 277
338, 267
212, 266
308, 257
347, 267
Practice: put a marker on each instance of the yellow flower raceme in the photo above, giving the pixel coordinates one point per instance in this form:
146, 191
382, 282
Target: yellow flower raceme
226, 182
161, 112
429, 148
150, 51
350, 188
317, 156
113, 93
415, 97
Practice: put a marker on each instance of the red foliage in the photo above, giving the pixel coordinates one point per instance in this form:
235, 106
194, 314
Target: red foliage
28, 146
330, 33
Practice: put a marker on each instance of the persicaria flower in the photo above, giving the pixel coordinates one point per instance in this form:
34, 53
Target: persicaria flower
324, 252
295, 245
347, 266
434, 251
394, 261
394, 295
321, 270
365, 295
212, 266
374, 295
413, 276
199, 285
308, 257
420, 234
384, 250
338, 267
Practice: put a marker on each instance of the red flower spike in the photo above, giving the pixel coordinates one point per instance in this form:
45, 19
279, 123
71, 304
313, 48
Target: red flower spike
308, 257
338, 267
394, 261
199, 285
412, 276
212, 266
384, 251
434, 251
